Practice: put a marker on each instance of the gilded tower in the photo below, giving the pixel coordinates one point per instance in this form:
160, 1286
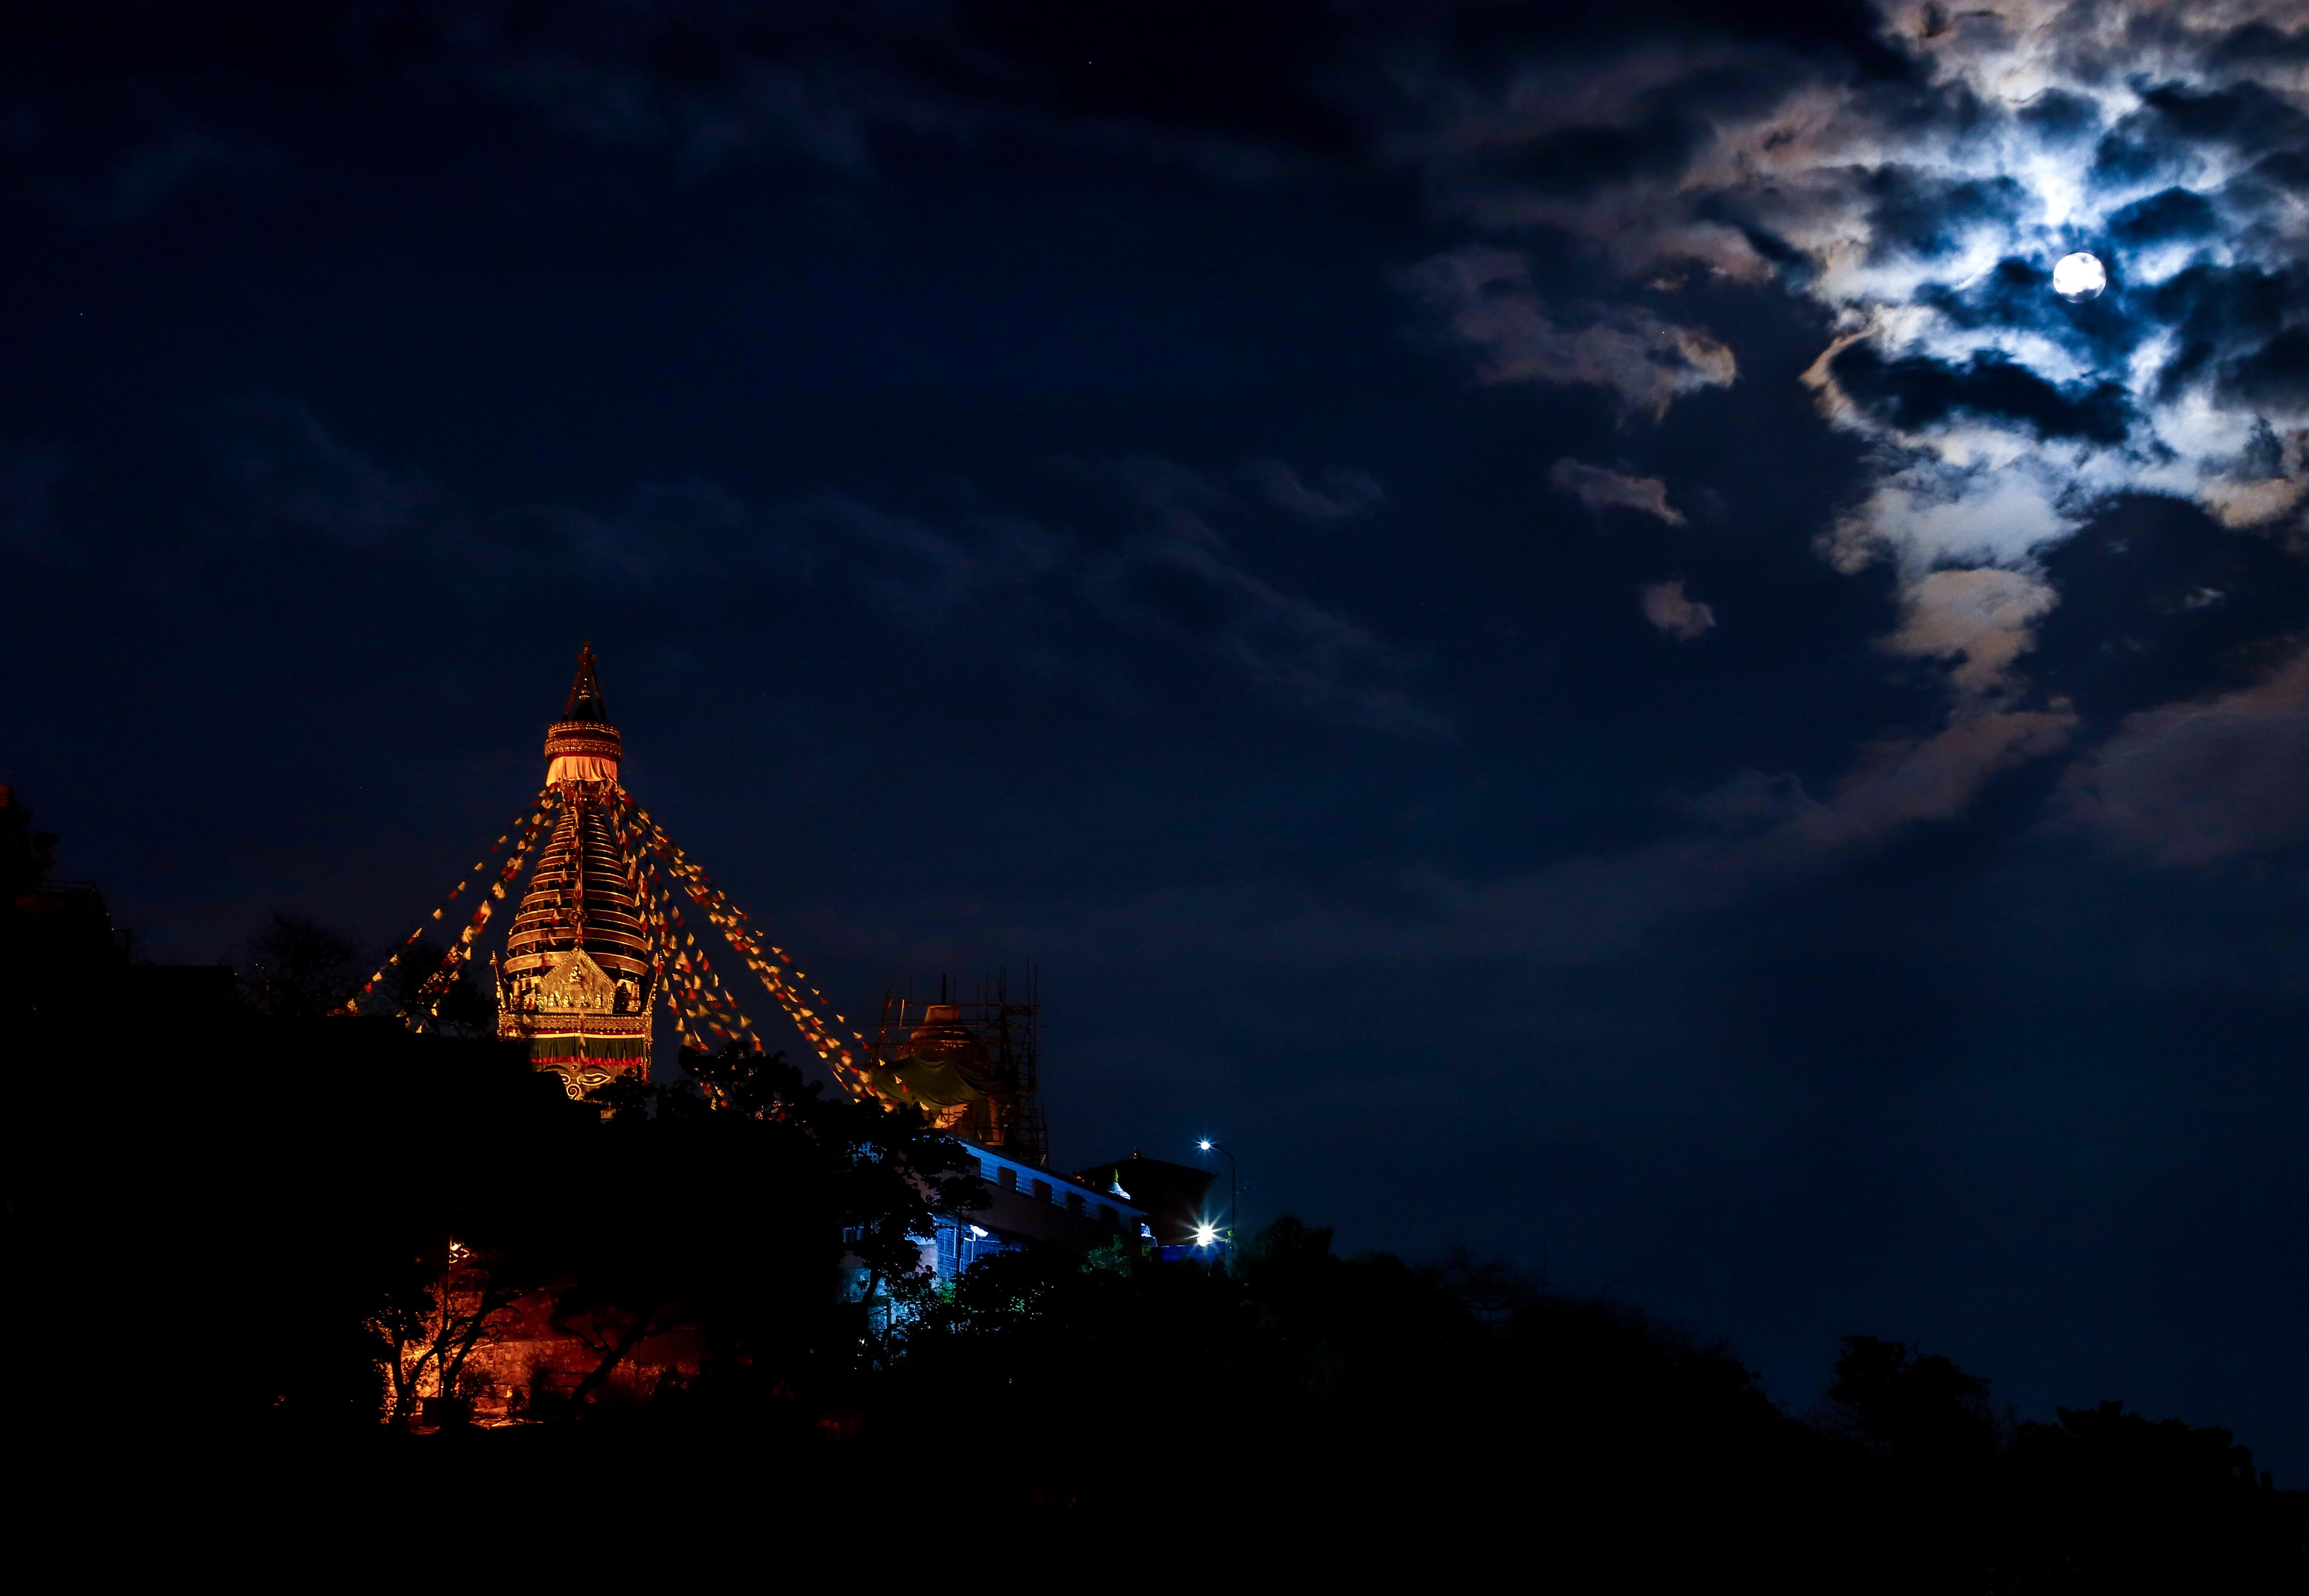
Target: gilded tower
575, 984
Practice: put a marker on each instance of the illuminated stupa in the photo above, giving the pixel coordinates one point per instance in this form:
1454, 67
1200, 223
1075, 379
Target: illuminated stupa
578, 979
599, 938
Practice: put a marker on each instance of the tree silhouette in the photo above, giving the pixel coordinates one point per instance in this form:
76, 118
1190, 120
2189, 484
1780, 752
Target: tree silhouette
26, 855
299, 968
2106, 1499
1921, 1413
434, 1319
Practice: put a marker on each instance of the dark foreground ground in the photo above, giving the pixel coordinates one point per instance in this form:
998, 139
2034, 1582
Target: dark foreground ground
222, 1235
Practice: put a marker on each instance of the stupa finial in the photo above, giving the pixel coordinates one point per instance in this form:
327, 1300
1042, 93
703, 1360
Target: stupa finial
582, 745
586, 692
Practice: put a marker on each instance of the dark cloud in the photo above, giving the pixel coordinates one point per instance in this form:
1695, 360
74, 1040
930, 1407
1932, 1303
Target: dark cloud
29, 474
2287, 169
2274, 377
1175, 576
2059, 116
1239, 92
2014, 293
1917, 392
2258, 41
2246, 116
1663, 128
2221, 315
1928, 214
2176, 121
2171, 214
2158, 599
1341, 496
1142, 558
284, 462
148, 176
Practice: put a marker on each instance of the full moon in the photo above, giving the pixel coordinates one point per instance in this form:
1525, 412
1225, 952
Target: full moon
2079, 277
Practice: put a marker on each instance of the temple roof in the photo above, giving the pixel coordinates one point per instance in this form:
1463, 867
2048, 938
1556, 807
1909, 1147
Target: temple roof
586, 692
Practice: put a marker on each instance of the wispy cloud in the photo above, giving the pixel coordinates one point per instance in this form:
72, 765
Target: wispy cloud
1148, 560
1485, 296
1342, 494
1600, 488
292, 471
1154, 565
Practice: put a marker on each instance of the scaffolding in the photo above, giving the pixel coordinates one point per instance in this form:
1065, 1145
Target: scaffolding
1006, 1027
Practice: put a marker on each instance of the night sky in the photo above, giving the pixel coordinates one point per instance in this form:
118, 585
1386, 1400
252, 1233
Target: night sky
1544, 625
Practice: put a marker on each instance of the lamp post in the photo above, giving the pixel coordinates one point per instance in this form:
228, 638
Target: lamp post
1207, 1145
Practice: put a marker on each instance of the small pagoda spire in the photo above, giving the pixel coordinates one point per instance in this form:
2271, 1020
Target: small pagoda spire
586, 692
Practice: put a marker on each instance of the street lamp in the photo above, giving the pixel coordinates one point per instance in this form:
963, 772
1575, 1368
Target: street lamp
1207, 1145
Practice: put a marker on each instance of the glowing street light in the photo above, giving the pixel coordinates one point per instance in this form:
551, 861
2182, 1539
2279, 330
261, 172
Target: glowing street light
1206, 1233
1205, 1144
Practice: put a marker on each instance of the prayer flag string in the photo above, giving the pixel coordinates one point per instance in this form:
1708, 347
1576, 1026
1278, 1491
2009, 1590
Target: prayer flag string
737, 930
542, 800
438, 985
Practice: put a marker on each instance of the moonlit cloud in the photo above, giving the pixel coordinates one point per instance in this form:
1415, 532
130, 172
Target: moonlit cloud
1643, 361
1666, 605
1920, 202
2187, 783
1599, 487
1976, 619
